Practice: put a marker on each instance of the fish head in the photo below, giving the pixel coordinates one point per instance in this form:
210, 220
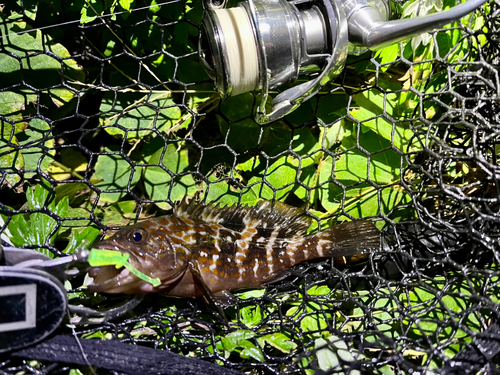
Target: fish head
150, 251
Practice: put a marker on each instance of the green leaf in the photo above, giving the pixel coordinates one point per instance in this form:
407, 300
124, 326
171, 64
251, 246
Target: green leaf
11, 159
376, 112
363, 201
125, 4
332, 107
313, 323
250, 316
388, 55
91, 9
383, 167
9, 64
308, 177
444, 44
18, 228
61, 209
316, 290
351, 169
81, 239
97, 335
238, 341
70, 190
279, 177
134, 116
82, 213
304, 114
109, 48
433, 312
328, 191
5, 234
278, 341
251, 351
39, 228
154, 9
242, 133
252, 293
118, 214
414, 9
73, 164
333, 353
327, 358
37, 198
333, 134
182, 31
303, 143
113, 172
12, 106
220, 191
44, 65
36, 152
158, 180
234, 339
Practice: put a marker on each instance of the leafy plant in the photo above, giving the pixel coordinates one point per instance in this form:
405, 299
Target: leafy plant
27, 147
41, 227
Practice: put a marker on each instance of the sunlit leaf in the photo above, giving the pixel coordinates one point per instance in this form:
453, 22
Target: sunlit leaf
376, 112
159, 181
136, 116
279, 341
39, 228
11, 158
278, 177
81, 239
113, 172
38, 147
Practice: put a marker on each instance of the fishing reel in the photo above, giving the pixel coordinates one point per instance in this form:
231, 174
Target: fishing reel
261, 45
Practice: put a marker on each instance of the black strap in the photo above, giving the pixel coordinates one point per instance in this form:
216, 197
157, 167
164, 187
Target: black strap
120, 357
476, 355
132, 359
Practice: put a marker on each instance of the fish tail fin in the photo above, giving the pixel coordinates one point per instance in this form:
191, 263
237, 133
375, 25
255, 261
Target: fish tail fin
346, 239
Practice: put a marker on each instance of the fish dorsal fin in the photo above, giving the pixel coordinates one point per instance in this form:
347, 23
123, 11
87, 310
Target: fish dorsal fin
266, 216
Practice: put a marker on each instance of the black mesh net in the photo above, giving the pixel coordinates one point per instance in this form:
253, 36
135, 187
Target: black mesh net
111, 119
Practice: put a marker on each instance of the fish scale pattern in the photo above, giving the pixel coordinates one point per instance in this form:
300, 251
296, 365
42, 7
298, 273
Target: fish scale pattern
107, 118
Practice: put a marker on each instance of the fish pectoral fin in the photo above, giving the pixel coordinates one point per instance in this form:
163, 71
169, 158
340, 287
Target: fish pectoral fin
209, 296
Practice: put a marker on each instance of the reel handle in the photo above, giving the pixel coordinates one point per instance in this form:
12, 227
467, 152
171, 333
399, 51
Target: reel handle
262, 45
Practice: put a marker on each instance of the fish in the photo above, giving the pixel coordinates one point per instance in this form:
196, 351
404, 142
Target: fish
207, 249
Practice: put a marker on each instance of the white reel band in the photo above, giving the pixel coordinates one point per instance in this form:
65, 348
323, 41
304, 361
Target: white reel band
241, 49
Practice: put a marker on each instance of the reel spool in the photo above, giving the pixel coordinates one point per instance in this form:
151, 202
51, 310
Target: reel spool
261, 45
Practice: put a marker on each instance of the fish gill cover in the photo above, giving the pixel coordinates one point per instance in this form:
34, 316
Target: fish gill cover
107, 118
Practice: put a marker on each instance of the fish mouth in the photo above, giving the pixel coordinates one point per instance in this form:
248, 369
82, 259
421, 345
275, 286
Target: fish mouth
109, 279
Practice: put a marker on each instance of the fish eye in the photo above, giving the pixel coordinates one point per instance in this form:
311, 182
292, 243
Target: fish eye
138, 236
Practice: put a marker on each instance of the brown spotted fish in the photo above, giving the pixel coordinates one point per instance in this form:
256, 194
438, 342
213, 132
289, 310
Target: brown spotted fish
206, 249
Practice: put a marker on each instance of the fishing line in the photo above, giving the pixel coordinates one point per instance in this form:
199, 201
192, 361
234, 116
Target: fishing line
80, 347
97, 16
241, 48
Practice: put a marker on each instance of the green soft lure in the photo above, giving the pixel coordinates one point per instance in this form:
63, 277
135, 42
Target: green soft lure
101, 258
